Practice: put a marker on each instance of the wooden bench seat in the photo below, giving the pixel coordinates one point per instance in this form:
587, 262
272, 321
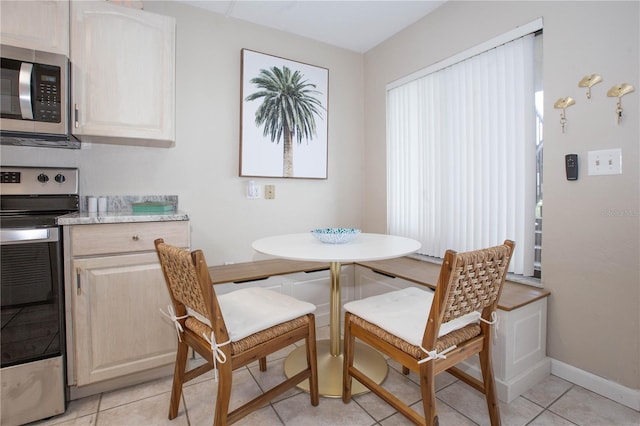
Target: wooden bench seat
513, 296
261, 269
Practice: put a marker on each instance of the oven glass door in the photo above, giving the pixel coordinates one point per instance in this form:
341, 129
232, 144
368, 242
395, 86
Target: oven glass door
31, 294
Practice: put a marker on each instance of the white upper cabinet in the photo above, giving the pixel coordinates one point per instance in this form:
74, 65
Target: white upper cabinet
39, 25
123, 75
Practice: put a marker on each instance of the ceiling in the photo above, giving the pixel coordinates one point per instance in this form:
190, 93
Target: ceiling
356, 25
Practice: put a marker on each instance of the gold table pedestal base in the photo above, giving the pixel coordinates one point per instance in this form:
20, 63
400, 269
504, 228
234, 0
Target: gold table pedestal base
366, 359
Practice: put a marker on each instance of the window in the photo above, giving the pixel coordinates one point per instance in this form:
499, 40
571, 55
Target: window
462, 151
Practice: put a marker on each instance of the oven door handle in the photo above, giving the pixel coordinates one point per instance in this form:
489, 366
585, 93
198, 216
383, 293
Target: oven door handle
28, 235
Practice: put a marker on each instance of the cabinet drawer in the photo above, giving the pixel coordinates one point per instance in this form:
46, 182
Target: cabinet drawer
107, 238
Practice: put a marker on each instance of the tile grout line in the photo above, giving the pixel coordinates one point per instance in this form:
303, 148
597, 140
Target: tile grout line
454, 409
573, 385
546, 409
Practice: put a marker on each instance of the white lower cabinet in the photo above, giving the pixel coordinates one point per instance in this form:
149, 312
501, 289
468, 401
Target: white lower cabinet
118, 330
115, 290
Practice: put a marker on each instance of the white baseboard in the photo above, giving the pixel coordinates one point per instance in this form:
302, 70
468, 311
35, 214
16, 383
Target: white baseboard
510, 390
614, 391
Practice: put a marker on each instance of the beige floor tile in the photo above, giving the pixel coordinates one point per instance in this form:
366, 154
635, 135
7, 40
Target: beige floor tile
547, 391
272, 377
519, 412
397, 419
466, 400
263, 417
587, 408
200, 399
89, 420
447, 416
550, 419
148, 411
76, 409
472, 404
397, 384
330, 412
458, 404
135, 393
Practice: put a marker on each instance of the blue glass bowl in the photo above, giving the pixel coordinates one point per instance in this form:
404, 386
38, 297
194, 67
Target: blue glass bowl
335, 235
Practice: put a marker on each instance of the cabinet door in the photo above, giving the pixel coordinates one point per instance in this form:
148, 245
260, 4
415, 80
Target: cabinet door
117, 322
123, 74
39, 25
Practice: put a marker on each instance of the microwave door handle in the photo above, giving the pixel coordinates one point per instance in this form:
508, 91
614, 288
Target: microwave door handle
24, 90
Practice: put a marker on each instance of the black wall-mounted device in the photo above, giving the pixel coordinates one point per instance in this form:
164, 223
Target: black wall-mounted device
571, 166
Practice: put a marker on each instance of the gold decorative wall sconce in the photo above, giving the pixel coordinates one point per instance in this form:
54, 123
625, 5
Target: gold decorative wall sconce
618, 91
563, 104
589, 81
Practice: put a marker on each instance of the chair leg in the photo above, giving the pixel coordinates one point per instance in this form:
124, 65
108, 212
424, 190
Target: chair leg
405, 370
262, 362
488, 379
349, 343
178, 379
225, 377
428, 389
312, 362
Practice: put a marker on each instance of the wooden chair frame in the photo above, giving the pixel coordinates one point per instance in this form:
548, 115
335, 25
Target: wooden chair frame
452, 281
188, 338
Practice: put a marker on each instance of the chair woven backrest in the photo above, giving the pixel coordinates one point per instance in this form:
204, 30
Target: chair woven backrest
476, 280
182, 278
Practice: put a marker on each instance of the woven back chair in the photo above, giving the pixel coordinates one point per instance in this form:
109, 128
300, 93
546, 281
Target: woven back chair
231, 331
430, 333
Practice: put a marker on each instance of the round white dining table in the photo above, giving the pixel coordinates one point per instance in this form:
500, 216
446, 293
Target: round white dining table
365, 247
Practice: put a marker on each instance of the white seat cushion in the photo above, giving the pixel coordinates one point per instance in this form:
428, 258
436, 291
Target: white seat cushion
404, 313
250, 310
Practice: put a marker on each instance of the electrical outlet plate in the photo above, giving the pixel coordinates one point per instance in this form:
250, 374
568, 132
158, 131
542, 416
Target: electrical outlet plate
269, 192
605, 162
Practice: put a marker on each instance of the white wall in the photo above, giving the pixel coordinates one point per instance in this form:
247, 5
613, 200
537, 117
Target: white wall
590, 258
203, 167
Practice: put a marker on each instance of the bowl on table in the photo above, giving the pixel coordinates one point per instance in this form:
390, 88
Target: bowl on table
335, 235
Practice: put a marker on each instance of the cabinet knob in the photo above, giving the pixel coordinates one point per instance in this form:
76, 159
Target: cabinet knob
135, 237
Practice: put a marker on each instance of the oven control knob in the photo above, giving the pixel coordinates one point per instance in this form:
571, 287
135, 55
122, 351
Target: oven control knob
42, 178
60, 178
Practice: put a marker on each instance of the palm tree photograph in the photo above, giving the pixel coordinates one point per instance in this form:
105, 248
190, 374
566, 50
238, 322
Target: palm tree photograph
284, 117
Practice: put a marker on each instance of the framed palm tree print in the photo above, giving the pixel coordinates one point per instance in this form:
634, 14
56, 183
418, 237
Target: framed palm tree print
283, 117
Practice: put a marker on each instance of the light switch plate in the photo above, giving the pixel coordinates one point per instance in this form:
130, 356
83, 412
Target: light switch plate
605, 162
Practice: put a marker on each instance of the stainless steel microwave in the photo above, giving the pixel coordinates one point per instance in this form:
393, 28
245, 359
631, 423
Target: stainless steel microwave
34, 98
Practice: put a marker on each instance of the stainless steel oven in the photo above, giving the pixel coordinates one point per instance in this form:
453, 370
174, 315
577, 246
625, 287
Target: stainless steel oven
32, 339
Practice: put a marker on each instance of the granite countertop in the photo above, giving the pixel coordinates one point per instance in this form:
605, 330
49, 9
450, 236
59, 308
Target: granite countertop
119, 211
118, 217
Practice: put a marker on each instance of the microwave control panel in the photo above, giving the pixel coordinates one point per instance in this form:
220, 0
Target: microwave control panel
47, 93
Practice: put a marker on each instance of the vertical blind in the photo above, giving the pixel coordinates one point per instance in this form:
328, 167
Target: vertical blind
461, 155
